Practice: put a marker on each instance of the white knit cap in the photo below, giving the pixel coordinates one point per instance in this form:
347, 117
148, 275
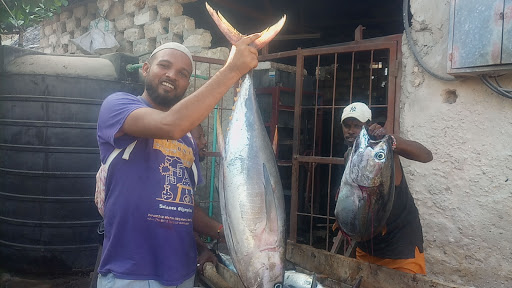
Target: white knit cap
175, 46
357, 110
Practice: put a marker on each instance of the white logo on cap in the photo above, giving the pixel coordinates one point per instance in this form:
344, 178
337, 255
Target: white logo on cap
353, 109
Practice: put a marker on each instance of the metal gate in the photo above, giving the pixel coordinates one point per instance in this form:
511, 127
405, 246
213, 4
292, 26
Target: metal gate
361, 71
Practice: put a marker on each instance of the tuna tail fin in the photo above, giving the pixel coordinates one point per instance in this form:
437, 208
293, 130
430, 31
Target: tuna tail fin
234, 36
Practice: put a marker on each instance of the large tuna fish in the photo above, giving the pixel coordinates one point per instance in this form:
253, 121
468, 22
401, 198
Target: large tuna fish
367, 188
251, 194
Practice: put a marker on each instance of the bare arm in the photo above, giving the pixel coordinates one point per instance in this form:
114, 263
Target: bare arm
205, 225
409, 149
189, 112
203, 253
412, 150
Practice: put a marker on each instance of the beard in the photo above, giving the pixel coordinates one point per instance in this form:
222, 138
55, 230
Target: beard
164, 101
348, 143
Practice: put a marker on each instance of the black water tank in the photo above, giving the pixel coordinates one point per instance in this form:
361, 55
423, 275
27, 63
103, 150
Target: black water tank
48, 160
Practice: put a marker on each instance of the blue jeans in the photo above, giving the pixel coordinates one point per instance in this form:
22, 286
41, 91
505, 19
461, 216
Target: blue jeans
110, 281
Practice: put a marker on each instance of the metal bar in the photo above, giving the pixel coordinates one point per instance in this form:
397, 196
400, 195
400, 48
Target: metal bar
391, 120
311, 200
297, 36
330, 152
317, 72
352, 77
315, 215
395, 82
213, 154
295, 147
359, 47
371, 82
320, 160
208, 60
293, 53
340, 106
333, 99
313, 166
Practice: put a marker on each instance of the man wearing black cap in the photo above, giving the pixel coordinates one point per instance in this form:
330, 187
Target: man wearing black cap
400, 246
145, 187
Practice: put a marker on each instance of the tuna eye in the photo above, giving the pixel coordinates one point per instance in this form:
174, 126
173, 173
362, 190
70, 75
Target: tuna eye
380, 156
278, 285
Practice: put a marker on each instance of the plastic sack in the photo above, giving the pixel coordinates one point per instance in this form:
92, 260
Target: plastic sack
99, 39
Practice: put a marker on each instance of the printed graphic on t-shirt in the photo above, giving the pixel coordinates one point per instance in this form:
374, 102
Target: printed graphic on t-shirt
178, 157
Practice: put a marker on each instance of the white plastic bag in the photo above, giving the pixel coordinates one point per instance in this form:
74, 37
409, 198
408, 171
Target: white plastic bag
99, 39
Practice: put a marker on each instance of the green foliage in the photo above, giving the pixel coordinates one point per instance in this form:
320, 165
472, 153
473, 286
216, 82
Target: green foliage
27, 13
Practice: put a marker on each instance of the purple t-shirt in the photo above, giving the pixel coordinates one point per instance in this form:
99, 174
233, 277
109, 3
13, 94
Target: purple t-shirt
149, 201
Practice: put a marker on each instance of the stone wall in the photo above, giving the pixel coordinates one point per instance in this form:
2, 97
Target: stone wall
140, 26
72, 22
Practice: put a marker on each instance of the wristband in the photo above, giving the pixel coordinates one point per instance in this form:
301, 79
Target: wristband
393, 146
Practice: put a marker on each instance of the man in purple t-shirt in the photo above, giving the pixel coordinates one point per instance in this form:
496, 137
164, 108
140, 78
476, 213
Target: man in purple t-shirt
149, 210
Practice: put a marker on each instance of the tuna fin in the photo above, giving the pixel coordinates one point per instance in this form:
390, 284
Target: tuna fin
274, 142
270, 202
233, 35
222, 196
269, 33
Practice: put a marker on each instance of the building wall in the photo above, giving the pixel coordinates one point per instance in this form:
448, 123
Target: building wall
465, 194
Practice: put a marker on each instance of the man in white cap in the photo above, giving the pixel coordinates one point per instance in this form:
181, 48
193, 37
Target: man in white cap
153, 169
400, 246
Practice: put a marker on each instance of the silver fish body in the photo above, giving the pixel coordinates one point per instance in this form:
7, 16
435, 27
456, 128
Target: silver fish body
251, 196
367, 188
294, 279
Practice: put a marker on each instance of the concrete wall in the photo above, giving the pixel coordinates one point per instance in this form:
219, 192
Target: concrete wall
465, 194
